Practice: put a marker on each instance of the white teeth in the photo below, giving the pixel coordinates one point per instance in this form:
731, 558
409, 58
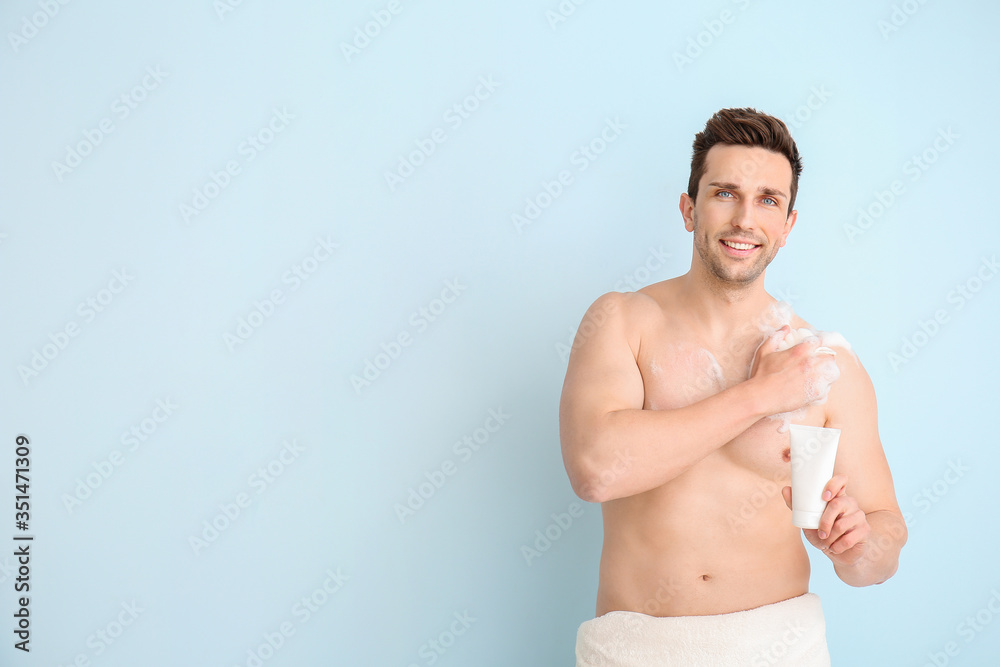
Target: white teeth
739, 246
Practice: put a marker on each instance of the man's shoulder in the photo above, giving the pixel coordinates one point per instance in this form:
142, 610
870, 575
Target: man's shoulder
649, 301
625, 315
628, 314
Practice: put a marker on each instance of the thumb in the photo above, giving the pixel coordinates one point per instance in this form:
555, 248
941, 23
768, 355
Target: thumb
786, 493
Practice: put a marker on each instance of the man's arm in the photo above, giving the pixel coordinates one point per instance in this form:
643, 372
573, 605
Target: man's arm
601, 420
862, 530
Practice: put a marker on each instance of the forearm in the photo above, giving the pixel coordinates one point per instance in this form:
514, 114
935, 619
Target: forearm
637, 450
881, 557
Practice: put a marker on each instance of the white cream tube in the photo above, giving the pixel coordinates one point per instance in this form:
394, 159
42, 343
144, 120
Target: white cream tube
814, 451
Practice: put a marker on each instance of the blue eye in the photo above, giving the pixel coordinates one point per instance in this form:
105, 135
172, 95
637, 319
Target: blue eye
772, 200
725, 192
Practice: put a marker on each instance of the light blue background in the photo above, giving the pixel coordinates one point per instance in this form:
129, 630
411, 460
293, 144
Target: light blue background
497, 346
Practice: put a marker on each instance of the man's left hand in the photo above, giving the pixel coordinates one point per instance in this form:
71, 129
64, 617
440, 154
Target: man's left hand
843, 529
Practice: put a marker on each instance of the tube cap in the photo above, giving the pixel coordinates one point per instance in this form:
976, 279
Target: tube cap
804, 519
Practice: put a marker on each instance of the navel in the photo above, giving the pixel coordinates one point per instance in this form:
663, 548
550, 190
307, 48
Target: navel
786, 455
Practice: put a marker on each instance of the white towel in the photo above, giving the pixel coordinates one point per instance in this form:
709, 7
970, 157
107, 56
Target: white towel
791, 632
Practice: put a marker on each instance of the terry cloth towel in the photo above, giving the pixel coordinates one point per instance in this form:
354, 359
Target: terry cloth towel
791, 632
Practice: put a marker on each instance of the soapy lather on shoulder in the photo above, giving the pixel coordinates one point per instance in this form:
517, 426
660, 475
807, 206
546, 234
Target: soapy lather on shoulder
778, 316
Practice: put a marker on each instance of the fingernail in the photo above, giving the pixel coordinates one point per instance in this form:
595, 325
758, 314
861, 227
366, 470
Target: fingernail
827, 495
822, 535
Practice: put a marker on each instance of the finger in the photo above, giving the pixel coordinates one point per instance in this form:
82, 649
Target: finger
786, 493
845, 542
810, 343
837, 486
850, 539
843, 525
850, 517
835, 509
812, 537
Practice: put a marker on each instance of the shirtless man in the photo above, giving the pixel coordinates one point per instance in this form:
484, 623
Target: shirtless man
664, 420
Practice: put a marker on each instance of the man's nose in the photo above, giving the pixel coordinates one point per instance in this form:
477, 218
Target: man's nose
743, 216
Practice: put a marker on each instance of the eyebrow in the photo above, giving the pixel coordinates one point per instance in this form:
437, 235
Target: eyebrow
764, 190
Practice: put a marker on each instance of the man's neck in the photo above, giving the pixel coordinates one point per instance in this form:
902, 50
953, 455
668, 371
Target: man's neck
719, 307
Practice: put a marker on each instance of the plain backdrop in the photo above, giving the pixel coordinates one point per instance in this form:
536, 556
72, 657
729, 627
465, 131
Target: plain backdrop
289, 410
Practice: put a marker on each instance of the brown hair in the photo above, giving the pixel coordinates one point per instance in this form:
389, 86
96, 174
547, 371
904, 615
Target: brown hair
744, 127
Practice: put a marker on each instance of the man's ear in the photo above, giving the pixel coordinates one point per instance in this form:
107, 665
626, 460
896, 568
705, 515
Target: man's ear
789, 223
687, 211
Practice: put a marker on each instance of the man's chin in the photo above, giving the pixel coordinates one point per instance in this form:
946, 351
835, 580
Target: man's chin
740, 274
738, 278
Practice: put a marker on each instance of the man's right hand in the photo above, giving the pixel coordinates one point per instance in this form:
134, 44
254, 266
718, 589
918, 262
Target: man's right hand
795, 377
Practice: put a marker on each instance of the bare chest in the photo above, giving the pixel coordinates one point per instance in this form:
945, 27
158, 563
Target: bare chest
679, 373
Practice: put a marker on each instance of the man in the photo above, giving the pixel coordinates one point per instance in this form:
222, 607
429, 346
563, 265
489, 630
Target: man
665, 420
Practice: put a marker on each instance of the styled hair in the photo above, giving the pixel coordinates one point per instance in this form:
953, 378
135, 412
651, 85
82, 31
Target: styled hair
744, 127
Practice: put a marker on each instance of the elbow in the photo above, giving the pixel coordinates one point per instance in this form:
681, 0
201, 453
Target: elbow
892, 571
586, 485
591, 490
600, 479
598, 469
583, 469
578, 452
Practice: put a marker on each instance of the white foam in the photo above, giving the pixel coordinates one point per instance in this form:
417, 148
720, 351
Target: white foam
778, 315
834, 339
714, 369
697, 368
786, 418
706, 373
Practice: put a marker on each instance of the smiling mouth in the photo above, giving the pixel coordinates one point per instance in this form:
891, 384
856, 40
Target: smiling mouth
737, 245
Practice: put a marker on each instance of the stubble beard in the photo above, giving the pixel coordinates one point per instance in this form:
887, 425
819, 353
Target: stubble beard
721, 267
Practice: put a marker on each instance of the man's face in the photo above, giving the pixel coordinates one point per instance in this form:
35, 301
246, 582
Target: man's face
739, 220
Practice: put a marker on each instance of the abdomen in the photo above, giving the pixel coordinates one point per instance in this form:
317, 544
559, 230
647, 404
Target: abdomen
716, 539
